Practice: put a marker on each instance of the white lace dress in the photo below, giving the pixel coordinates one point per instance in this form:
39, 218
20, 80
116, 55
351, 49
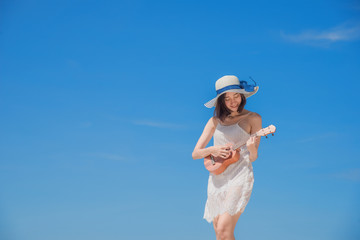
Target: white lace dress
230, 191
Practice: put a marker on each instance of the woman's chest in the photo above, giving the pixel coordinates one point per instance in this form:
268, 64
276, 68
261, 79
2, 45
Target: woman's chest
244, 123
232, 133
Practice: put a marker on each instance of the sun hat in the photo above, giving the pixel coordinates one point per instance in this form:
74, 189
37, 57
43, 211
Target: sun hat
230, 83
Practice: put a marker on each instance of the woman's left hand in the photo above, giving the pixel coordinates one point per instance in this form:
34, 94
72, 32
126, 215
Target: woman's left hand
250, 144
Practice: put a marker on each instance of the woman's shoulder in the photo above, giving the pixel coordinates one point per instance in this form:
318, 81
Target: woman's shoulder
255, 120
214, 121
253, 116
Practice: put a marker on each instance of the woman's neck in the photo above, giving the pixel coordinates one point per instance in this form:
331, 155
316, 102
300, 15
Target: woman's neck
237, 114
235, 117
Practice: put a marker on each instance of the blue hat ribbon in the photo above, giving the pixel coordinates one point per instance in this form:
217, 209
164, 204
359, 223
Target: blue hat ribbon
243, 85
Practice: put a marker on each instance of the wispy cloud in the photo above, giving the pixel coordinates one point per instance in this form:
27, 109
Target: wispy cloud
85, 124
319, 137
351, 174
72, 63
158, 124
344, 32
106, 156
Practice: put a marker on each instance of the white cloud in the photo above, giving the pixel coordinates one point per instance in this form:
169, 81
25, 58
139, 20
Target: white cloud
344, 32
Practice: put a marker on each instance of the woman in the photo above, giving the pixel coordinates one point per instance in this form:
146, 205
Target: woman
229, 191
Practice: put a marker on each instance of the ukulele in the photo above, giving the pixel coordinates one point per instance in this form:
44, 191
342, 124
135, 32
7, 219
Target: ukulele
217, 165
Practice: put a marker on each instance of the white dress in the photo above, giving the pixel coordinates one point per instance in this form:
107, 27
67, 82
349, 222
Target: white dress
230, 191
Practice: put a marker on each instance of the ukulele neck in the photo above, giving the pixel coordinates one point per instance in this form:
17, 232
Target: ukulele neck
261, 132
236, 146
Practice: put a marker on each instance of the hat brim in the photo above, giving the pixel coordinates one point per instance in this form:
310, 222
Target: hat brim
212, 102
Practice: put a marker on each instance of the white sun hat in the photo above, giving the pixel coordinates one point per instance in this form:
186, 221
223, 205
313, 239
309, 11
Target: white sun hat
230, 83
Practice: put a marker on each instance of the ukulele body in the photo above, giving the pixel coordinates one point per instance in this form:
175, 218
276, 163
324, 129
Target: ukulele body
217, 165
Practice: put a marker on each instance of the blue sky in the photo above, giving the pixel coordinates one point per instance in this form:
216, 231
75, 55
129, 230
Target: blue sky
101, 105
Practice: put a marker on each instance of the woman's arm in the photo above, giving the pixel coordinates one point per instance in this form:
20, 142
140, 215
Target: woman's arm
200, 151
254, 142
217, 151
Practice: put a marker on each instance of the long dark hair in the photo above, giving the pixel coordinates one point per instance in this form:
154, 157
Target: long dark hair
221, 111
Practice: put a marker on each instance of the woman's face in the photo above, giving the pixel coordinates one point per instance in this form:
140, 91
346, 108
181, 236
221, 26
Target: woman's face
232, 101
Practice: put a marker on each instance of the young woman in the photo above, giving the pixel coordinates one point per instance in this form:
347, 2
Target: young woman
229, 191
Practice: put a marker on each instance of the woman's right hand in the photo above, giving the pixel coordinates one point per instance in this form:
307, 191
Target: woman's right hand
222, 151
